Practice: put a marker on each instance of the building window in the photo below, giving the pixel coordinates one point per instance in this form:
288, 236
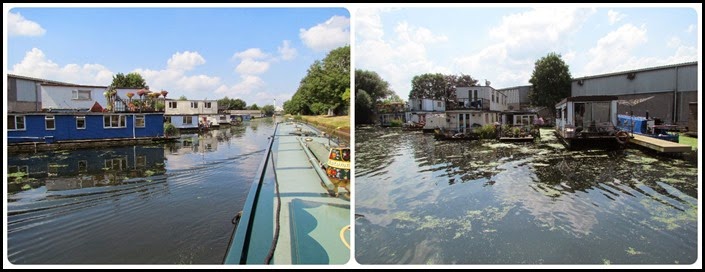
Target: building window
139, 121
50, 122
82, 166
172, 104
141, 161
114, 121
116, 164
440, 104
81, 95
188, 120
80, 122
207, 105
18, 169
194, 105
167, 119
15, 122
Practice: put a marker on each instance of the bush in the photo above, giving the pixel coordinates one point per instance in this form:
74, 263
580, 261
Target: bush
486, 131
170, 130
395, 123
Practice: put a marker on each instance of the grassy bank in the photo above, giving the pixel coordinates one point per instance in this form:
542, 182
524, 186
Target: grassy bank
341, 124
686, 140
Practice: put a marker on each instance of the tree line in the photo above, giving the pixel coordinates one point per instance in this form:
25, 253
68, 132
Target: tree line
326, 87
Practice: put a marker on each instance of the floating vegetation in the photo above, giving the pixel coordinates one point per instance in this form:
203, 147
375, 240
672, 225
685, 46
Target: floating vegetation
148, 173
58, 165
640, 159
26, 187
631, 251
17, 175
668, 217
476, 199
40, 156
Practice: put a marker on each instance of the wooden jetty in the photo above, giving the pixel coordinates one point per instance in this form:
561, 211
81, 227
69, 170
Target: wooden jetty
659, 145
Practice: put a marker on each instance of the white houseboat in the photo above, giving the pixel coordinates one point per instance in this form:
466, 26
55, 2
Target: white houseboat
589, 121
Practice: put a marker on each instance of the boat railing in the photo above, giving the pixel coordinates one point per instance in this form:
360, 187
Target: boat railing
237, 251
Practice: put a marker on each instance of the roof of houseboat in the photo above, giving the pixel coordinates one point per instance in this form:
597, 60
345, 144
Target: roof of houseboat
313, 225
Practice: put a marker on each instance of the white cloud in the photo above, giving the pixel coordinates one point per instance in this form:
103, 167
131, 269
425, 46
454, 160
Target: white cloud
185, 61
538, 30
690, 28
19, 26
398, 58
614, 49
333, 33
517, 42
247, 85
569, 57
674, 42
614, 16
249, 65
36, 64
174, 78
252, 67
285, 51
252, 53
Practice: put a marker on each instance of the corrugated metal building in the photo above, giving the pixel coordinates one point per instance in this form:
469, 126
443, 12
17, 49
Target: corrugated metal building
517, 97
664, 91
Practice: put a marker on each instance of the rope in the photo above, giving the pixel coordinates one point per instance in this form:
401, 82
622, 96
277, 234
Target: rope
235, 221
273, 247
342, 235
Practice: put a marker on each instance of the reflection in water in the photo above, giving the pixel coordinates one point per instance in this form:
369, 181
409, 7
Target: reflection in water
170, 203
425, 201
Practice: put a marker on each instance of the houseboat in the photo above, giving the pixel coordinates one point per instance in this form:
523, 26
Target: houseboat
391, 114
589, 121
82, 128
519, 126
652, 127
192, 114
292, 214
418, 111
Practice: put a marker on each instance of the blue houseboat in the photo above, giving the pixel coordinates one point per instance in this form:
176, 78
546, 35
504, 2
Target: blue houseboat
647, 126
56, 127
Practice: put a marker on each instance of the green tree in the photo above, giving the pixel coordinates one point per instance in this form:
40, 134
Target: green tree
394, 98
322, 89
131, 80
232, 104
431, 86
254, 107
182, 98
369, 81
363, 108
439, 86
370, 89
238, 104
268, 110
297, 105
550, 81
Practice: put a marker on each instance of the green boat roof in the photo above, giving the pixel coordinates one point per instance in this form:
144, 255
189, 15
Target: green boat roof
313, 224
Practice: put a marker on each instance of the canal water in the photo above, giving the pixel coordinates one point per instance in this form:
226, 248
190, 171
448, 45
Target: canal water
148, 204
421, 201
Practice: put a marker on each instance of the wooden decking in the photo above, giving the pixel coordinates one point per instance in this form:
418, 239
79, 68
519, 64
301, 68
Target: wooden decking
659, 145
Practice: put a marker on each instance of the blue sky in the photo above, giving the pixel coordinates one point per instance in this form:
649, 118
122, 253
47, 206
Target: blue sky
256, 54
501, 44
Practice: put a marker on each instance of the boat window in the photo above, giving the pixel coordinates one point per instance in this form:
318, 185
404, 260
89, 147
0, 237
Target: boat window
581, 117
601, 112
